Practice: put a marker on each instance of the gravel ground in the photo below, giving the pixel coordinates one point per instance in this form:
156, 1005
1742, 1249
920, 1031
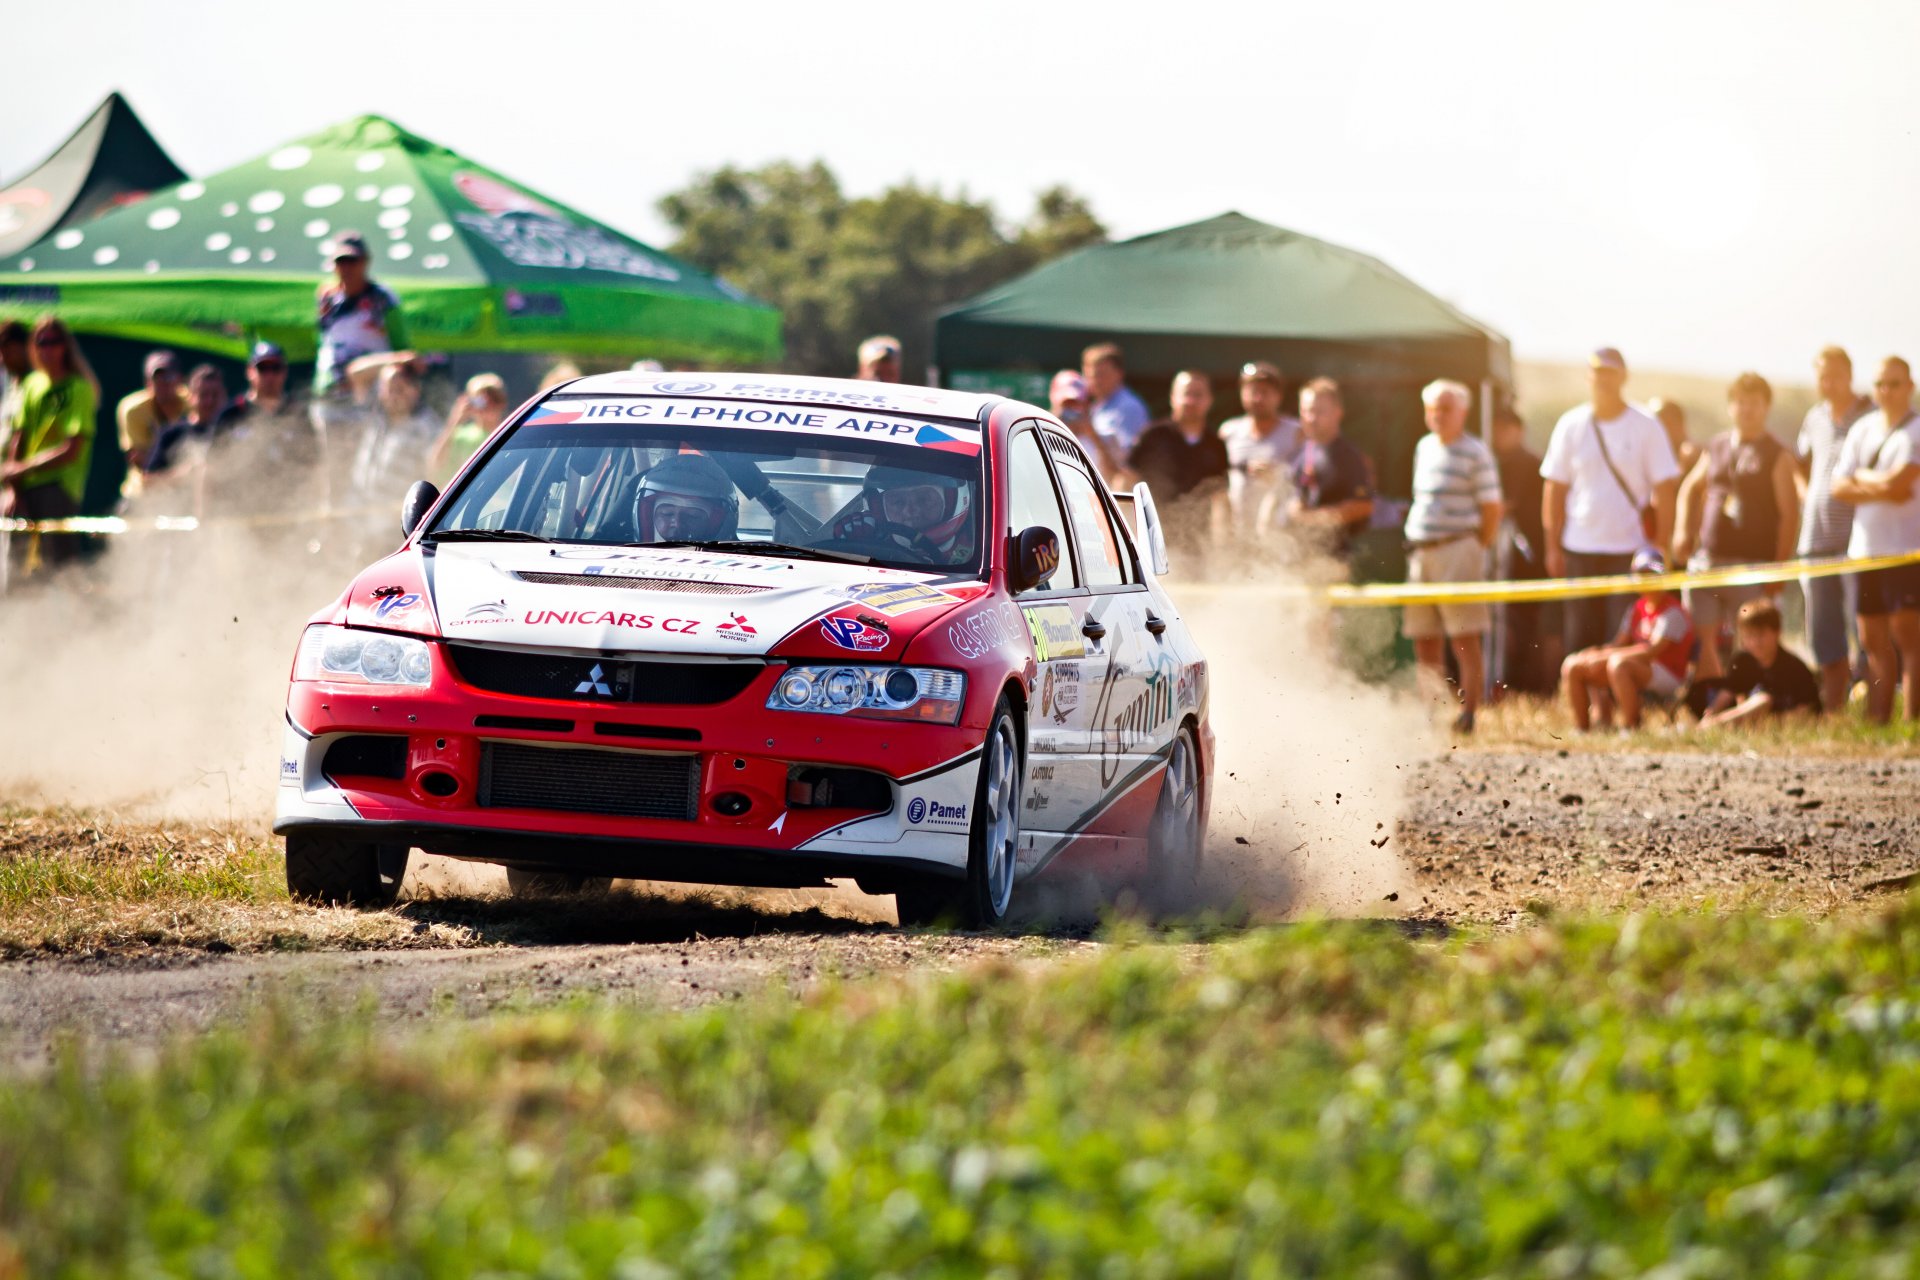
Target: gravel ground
1490, 837
1493, 835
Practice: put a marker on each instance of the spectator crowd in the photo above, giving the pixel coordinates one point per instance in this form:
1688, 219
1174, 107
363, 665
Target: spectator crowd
1620, 490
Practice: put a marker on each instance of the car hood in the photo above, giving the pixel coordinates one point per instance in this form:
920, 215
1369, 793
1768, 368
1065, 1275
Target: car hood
665, 600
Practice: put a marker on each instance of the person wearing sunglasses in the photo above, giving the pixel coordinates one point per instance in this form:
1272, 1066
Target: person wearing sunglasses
45, 472
265, 453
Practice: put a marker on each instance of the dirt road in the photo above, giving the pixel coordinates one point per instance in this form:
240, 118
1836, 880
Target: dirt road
1489, 837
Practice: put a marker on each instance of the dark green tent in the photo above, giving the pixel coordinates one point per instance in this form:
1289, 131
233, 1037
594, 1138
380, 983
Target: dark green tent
109, 160
480, 262
1213, 295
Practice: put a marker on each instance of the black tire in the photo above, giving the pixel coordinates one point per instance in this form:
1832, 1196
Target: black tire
1174, 841
337, 870
553, 884
980, 900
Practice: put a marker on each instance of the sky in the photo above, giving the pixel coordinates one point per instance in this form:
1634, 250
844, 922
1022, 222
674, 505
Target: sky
1710, 187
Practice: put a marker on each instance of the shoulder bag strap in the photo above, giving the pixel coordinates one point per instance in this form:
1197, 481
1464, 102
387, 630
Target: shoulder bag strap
1607, 457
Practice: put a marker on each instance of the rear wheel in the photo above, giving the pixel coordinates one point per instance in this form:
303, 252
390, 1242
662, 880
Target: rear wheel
553, 884
981, 899
1174, 842
338, 870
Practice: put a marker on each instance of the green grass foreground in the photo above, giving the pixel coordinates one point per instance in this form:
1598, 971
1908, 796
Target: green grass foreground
1714, 1096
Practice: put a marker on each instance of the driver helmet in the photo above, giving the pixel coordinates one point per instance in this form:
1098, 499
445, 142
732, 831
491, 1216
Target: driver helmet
935, 506
685, 498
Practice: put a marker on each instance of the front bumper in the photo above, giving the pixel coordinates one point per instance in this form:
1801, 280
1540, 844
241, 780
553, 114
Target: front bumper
434, 795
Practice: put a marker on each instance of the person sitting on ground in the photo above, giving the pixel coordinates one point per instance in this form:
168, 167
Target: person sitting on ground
1648, 656
1764, 679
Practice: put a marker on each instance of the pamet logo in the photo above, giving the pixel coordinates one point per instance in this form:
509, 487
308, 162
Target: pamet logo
920, 809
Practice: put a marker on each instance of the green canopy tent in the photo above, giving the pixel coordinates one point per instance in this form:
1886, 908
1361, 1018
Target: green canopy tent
109, 160
1213, 295
480, 263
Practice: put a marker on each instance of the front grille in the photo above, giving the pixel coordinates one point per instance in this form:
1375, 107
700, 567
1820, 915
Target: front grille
620, 784
641, 584
574, 679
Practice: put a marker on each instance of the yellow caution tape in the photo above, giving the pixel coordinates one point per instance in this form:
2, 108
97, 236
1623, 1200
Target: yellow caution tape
1378, 595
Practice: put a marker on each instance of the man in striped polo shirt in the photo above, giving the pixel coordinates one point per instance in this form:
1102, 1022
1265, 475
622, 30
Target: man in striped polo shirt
1826, 523
1453, 521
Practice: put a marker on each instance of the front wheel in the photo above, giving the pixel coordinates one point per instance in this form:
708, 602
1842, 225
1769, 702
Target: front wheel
337, 870
981, 899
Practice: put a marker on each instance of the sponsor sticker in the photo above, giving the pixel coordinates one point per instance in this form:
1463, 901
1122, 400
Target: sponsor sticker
486, 613
896, 598
870, 423
608, 618
693, 566
393, 606
736, 627
851, 633
922, 812
1050, 626
289, 771
985, 630
1060, 691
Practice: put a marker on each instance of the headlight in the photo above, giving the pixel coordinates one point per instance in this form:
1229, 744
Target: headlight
362, 657
889, 693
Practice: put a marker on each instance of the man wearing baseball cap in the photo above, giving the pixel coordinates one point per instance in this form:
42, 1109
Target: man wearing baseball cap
266, 454
1261, 448
879, 359
148, 414
1610, 483
357, 316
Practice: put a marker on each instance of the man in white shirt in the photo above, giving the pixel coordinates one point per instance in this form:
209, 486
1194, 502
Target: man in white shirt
1119, 416
1261, 448
1610, 473
1826, 523
1877, 472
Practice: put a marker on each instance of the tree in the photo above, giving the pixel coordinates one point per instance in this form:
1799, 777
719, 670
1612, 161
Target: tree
841, 269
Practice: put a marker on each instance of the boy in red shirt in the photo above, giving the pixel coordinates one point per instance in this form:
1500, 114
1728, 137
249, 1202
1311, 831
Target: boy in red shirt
1650, 655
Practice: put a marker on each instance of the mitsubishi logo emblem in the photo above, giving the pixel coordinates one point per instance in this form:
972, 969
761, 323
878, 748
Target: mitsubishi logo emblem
594, 683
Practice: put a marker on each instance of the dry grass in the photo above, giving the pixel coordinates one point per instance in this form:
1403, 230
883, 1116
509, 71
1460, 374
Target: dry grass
78, 882
1540, 724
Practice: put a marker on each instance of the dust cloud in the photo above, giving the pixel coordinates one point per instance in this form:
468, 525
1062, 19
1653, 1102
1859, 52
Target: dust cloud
1312, 761
150, 683
152, 680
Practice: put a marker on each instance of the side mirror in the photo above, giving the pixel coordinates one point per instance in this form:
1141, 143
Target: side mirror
414, 507
1152, 532
1036, 554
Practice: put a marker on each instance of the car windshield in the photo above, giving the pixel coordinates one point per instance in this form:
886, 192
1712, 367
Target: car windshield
860, 488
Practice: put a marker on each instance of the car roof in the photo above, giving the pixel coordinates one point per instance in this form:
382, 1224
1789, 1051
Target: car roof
782, 388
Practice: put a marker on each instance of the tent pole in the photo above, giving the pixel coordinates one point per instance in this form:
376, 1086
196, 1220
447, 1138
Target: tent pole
1486, 411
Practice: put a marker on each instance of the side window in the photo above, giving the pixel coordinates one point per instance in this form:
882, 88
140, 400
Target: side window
1104, 559
1031, 500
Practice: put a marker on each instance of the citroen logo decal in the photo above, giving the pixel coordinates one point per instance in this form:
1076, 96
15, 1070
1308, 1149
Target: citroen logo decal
594, 683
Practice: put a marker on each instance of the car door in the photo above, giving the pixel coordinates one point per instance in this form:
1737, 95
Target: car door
1131, 705
1062, 773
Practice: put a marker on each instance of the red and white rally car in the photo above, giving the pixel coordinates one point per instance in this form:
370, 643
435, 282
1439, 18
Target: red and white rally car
761, 630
